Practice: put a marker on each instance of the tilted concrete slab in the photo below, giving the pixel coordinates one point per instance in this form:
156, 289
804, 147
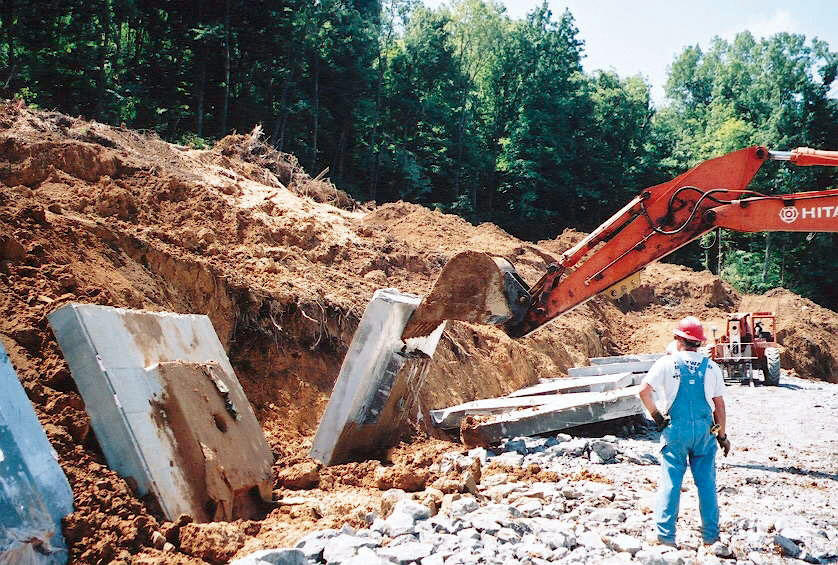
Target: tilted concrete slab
167, 409
34, 492
536, 395
448, 418
567, 385
377, 384
626, 358
611, 368
566, 411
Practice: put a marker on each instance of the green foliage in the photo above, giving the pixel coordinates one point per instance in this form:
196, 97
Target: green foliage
458, 107
772, 92
191, 140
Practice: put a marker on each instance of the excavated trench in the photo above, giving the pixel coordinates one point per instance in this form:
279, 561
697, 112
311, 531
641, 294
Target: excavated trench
283, 265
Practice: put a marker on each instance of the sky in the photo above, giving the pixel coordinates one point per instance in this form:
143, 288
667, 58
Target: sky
644, 36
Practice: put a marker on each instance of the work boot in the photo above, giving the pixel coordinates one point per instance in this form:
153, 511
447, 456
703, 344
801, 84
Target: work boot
657, 540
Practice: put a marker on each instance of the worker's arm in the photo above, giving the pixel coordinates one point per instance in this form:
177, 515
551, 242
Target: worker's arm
720, 417
645, 395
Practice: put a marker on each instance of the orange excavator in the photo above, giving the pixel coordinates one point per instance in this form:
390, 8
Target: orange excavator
476, 287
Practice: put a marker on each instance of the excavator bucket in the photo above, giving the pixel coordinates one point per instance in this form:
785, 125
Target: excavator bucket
472, 287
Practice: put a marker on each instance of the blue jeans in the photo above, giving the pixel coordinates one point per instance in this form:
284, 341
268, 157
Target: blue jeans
688, 441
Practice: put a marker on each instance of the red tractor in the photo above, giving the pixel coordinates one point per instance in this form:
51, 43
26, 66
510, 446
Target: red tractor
749, 343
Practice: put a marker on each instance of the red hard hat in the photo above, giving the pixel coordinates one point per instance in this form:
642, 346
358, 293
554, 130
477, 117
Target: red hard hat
690, 329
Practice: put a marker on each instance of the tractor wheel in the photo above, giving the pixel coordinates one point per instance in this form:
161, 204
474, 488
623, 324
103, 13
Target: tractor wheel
771, 366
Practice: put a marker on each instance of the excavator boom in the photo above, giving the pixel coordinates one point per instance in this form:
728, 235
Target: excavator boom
655, 223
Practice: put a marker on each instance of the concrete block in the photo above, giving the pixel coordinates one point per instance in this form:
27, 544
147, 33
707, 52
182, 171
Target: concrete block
610, 368
449, 418
597, 383
34, 492
374, 391
566, 411
625, 358
167, 409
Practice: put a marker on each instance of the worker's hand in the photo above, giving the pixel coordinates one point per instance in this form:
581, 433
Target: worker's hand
724, 444
661, 420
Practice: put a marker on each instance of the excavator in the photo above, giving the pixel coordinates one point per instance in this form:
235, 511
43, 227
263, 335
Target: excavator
479, 288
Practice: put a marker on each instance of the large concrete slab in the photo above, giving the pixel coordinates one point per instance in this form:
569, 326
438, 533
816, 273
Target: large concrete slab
566, 411
626, 358
34, 492
378, 381
167, 409
449, 418
567, 385
536, 395
611, 368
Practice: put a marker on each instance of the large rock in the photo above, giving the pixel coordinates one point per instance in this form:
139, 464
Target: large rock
623, 542
591, 540
314, 543
413, 509
366, 556
389, 500
407, 552
602, 452
787, 546
273, 557
344, 547
462, 506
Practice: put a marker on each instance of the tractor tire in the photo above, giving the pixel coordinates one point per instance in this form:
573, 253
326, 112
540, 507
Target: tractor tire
771, 366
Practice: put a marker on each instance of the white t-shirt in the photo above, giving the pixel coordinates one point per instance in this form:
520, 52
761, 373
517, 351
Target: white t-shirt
672, 347
662, 378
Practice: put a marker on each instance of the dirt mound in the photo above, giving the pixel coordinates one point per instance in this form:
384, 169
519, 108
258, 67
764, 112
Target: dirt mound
269, 166
667, 293
681, 291
283, 265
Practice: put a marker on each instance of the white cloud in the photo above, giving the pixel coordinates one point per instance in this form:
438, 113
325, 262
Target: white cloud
779, 21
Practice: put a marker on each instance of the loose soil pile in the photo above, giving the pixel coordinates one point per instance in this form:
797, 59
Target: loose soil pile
283, 265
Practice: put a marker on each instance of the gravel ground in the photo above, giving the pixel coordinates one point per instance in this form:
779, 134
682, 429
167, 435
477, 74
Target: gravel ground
778, 494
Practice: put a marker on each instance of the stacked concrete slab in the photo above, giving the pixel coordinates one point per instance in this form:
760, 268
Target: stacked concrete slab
603, 391
34, 492
376, 388
167, 409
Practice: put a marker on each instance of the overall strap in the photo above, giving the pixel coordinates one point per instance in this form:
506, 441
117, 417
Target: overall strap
699, 372
702, 368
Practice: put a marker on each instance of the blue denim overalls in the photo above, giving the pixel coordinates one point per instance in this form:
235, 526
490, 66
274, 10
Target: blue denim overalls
688, 438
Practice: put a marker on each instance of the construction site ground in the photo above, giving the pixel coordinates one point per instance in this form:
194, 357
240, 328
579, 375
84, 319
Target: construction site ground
284, 264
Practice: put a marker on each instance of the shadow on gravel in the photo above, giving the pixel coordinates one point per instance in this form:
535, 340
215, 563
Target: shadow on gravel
790, 470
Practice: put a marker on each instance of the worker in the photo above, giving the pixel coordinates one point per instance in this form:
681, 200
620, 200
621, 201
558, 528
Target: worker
683, 394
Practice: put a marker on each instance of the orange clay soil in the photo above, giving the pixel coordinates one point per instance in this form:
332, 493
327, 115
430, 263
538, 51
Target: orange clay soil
283, 265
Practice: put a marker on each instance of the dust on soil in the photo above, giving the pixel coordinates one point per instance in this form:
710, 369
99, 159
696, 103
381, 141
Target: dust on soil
283, 265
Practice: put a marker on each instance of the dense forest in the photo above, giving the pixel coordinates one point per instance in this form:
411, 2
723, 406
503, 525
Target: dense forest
460, 108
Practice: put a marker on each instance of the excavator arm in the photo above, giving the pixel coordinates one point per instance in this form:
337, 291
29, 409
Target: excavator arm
655, 223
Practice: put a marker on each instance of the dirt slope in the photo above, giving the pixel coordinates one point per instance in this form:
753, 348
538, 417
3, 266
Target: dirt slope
283, 265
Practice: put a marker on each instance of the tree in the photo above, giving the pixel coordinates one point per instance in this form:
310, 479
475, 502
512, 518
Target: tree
772, 92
